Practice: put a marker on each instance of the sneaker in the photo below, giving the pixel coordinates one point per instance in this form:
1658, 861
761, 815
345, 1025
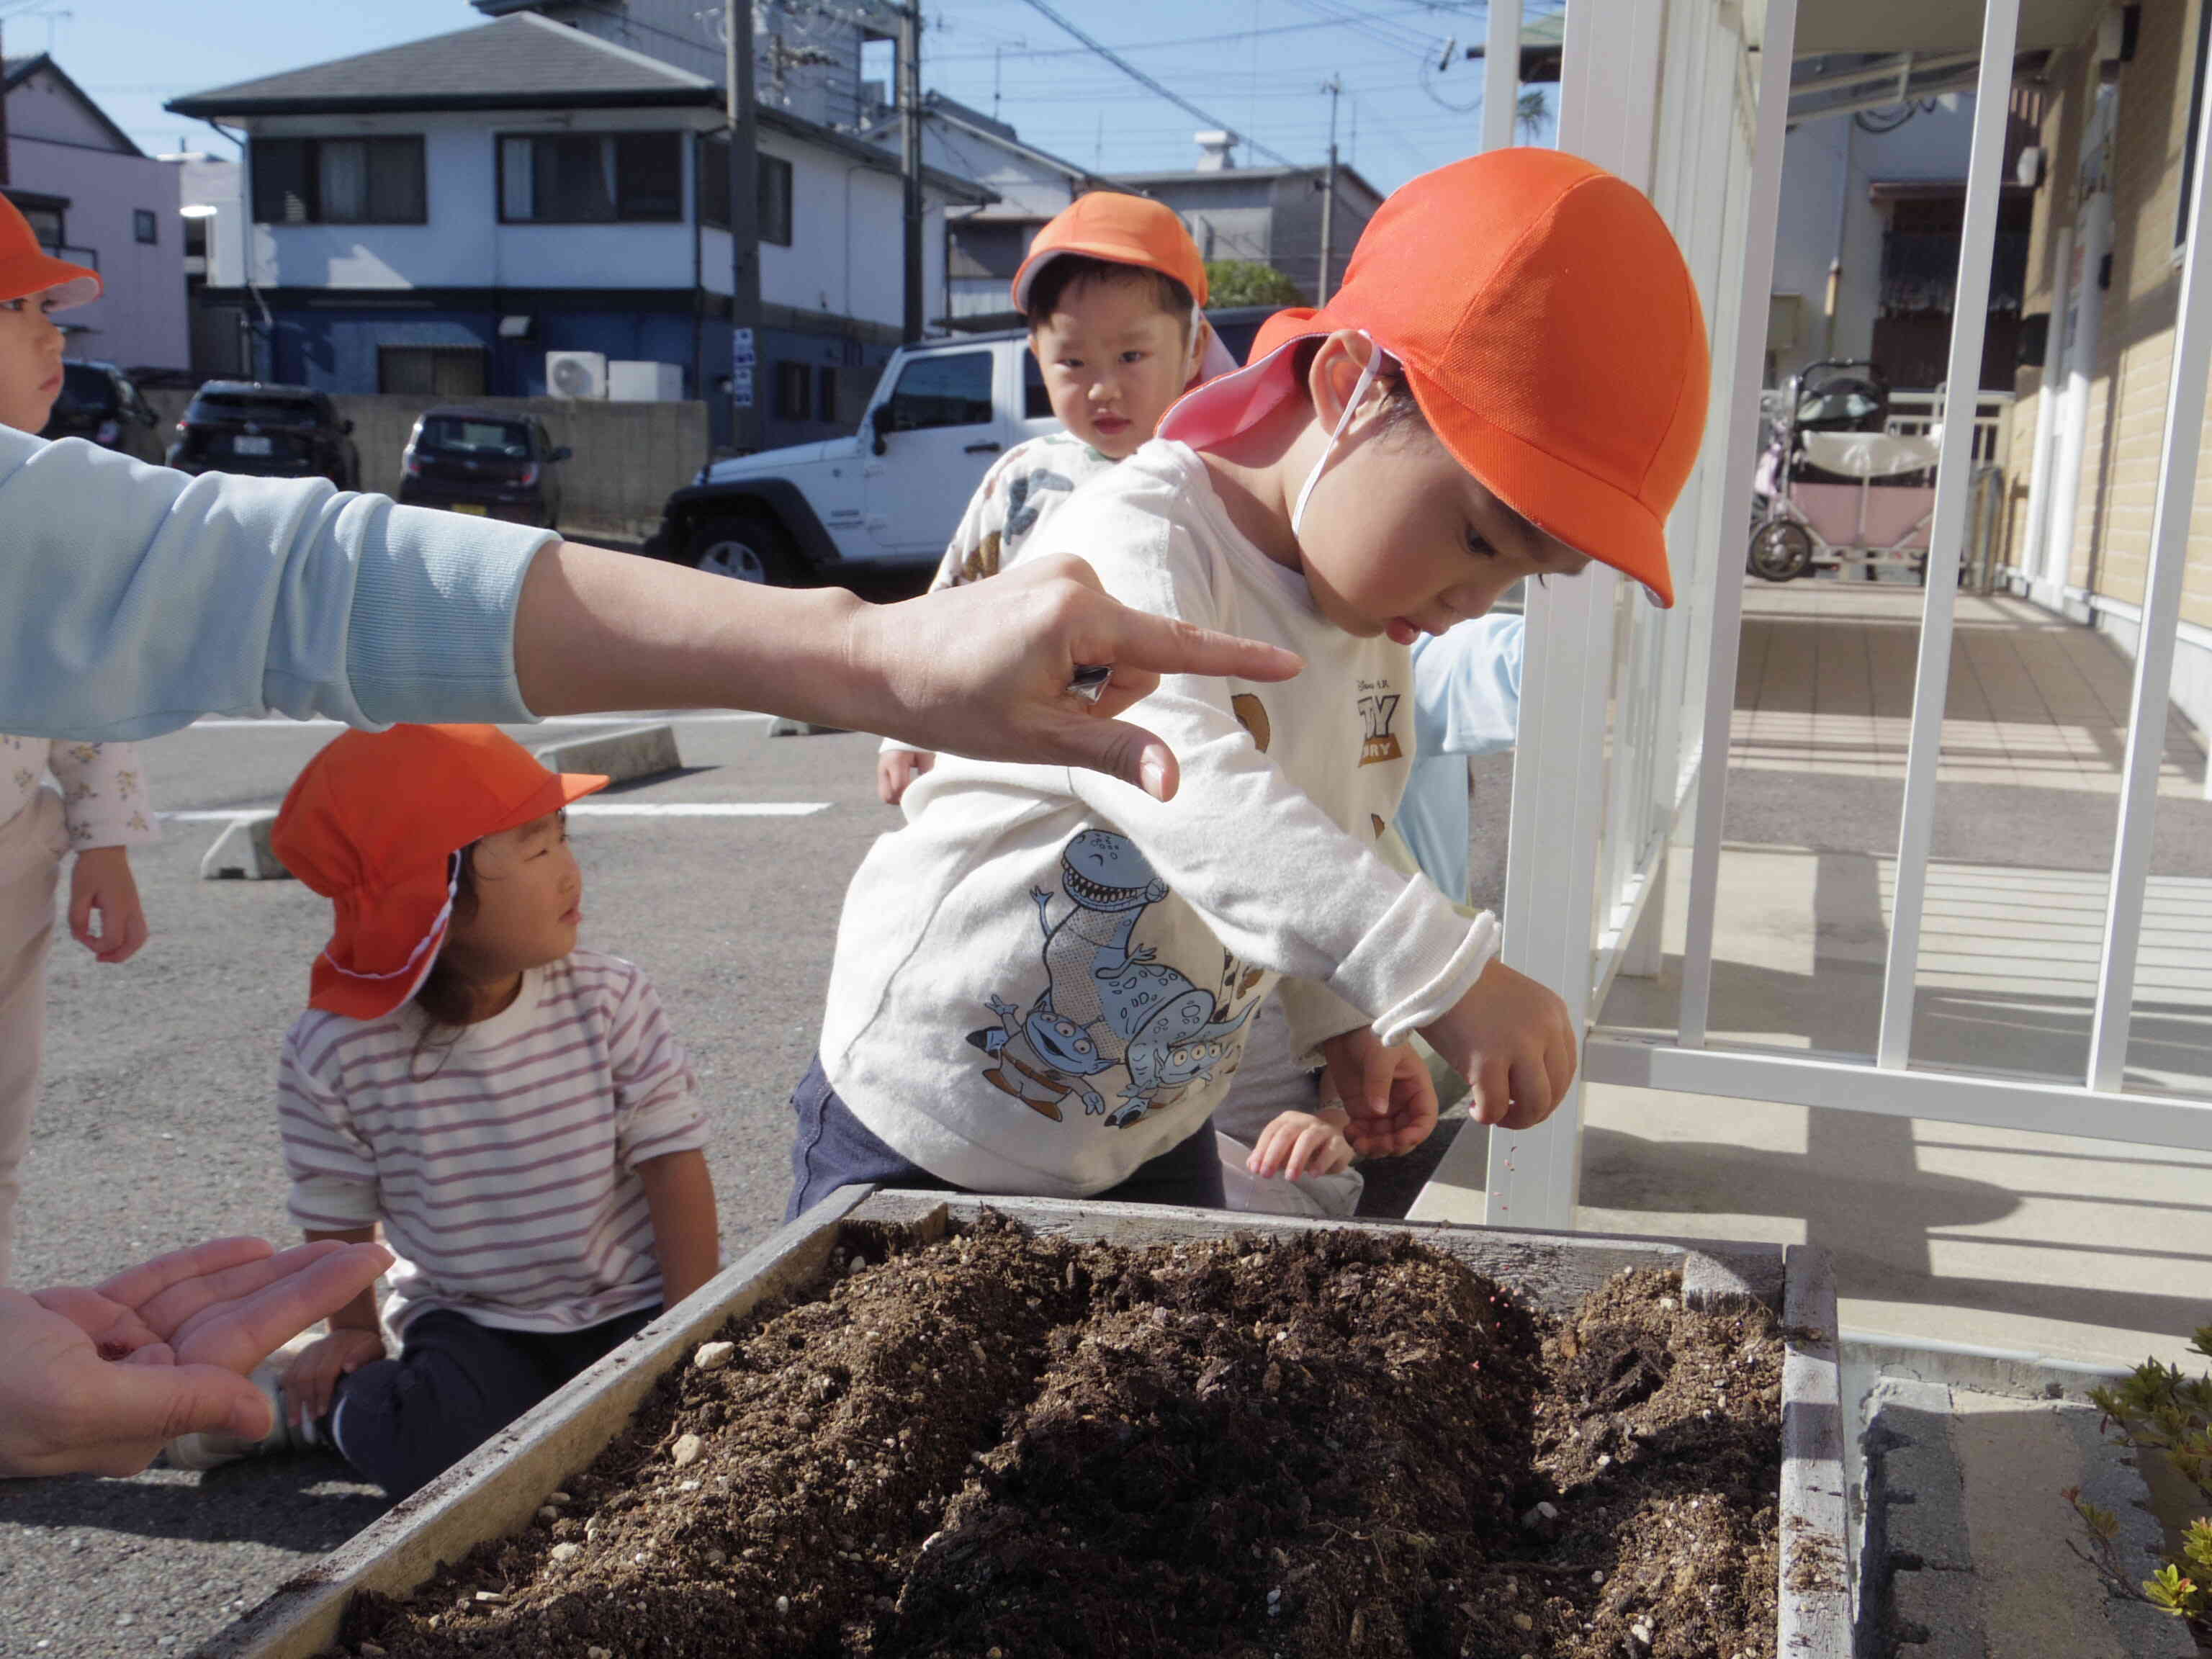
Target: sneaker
210, 1450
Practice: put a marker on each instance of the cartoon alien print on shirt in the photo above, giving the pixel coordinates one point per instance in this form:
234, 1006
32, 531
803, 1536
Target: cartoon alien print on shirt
1106, 1003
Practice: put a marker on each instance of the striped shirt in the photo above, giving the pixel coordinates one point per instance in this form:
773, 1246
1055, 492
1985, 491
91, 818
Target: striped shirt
504, 1169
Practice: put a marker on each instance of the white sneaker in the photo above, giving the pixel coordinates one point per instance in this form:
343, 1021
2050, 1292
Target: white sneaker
210, 1450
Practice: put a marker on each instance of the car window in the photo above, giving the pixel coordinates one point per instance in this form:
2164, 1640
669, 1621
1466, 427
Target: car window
951, 388
85, 390
1036, 402
257, 407
459, 435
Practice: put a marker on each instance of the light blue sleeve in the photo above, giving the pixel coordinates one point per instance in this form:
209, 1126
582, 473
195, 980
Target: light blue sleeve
1466, 700
134, 599
1466, 688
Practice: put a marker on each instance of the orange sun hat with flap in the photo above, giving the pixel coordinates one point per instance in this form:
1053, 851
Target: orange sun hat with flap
1551, 333
1124, 229
27, 268
374, 823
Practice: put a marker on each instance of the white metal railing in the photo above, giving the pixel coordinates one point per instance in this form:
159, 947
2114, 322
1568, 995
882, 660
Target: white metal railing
1626, 712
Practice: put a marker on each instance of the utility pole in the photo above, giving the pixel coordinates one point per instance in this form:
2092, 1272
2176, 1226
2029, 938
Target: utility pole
744, 225
910, 73
1335, 88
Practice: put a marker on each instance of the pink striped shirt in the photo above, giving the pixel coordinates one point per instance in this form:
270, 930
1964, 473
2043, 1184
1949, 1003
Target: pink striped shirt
504, 1170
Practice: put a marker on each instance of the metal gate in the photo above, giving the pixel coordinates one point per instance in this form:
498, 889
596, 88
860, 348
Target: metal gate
1625, 711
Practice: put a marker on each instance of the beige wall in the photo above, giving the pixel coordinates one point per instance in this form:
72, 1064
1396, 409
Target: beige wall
629, 457
2127, 403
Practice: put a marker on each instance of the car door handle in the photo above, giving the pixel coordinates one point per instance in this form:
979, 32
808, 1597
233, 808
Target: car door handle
983, 449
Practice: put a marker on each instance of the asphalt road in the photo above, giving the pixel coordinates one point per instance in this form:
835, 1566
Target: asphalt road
157, 1126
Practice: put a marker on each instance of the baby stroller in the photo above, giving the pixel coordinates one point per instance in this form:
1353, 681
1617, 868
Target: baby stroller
1834, 486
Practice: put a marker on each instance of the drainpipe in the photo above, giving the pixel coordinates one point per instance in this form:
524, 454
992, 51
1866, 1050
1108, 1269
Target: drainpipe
2073, 439
2047, 586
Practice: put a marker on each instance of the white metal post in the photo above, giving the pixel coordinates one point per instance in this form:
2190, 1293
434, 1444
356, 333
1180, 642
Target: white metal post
1501, 73
1955, 477
2161, 618
2048, 585
1735, 514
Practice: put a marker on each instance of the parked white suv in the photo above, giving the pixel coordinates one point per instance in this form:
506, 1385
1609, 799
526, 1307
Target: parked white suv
890, 496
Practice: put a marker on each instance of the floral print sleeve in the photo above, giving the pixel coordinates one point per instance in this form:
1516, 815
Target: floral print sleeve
103, 794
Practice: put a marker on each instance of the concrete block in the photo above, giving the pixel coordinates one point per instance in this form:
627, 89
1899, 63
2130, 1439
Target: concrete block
2111, 1480
1710, 1282
1934, 1615
635, 751
241, 852
783, 727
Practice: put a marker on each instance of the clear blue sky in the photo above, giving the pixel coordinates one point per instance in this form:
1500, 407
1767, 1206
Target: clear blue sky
1394, 119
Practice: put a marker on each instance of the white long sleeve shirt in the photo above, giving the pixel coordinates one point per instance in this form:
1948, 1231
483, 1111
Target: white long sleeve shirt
103, 788
1045, 977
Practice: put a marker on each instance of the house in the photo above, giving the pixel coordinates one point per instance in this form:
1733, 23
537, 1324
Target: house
93, 196
1873, 198
1269, 214
437, 216
213, 208
2113, 155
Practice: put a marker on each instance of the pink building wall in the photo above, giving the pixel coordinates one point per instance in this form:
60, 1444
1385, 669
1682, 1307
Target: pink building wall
56, 147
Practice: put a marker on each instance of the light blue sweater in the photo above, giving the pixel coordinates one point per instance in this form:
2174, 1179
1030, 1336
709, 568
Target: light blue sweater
133, 599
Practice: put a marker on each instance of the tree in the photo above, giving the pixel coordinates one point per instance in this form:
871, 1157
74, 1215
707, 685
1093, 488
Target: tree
1249, 282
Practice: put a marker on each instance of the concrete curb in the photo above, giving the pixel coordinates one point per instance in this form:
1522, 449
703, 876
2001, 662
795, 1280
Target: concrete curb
635, 751
241, 852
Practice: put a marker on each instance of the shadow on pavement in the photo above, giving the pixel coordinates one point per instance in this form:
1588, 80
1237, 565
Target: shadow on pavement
307, 1504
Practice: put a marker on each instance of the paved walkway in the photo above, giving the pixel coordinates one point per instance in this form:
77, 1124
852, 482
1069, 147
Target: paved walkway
2088, 1251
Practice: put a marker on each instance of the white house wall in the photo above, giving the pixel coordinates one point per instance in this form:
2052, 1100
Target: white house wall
56, 149
1830, 166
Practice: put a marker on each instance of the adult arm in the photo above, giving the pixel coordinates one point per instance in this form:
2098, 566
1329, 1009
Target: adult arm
133, 599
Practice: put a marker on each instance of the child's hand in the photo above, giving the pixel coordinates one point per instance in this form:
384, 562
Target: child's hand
1389, 1100
1511, 1039
897, 768
1301, 1144
101, 880
313, 1378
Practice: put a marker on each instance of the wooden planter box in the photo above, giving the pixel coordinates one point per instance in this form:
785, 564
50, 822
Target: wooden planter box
498, 1489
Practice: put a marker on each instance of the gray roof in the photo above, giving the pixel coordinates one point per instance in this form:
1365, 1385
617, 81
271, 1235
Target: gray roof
519, 62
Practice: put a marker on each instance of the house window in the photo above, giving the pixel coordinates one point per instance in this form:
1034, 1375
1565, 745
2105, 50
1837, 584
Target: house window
431, 371
772, 197
46, 225
2189, 135
590, 178
793, 384
950, 390
339, 181
825, 394
775, 200
145, 226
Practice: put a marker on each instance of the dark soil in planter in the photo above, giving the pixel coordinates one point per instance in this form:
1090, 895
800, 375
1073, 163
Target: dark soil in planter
1018, 1448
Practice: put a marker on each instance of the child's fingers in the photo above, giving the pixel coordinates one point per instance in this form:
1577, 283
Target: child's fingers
82, 903
1494, 1092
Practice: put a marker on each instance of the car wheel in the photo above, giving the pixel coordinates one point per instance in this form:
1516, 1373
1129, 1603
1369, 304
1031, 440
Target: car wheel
1781, 551
750, 548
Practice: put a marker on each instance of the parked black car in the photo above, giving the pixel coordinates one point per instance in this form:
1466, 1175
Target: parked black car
272, 431
100, 402
485, 461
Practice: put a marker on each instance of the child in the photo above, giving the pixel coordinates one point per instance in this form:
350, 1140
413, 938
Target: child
102, 809
515, 1111
1509, 382
1113, 289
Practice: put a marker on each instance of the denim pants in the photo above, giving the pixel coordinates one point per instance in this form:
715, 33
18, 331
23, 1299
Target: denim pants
456, 1384
834, 1149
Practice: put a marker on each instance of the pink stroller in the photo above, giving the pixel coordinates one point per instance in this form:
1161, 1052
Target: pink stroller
1835, 488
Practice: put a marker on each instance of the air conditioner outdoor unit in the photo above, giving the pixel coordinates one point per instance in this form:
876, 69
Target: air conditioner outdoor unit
576, 374
645, 382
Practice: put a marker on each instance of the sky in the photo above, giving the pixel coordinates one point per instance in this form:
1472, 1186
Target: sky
1398, 114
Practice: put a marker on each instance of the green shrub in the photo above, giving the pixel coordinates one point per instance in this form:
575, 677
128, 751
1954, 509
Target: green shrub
1249, 282
2160, 1409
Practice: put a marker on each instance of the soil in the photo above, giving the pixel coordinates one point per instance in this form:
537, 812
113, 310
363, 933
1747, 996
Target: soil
1015, 1447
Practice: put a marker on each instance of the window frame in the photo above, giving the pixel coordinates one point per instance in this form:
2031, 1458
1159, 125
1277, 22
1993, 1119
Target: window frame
261, 151
712, 206
146, 227
610, 143
775, 167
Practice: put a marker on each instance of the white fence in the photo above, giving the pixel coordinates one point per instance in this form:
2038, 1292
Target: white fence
1626, 711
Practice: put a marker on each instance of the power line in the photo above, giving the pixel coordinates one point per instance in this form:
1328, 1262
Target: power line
1186, 40
1143, 79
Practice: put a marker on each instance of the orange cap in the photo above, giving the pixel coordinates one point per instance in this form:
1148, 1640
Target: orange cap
27, 268
1122, 229
1550, 331
372, 824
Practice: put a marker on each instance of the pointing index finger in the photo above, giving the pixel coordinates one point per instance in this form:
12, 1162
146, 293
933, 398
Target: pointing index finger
1166, 645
